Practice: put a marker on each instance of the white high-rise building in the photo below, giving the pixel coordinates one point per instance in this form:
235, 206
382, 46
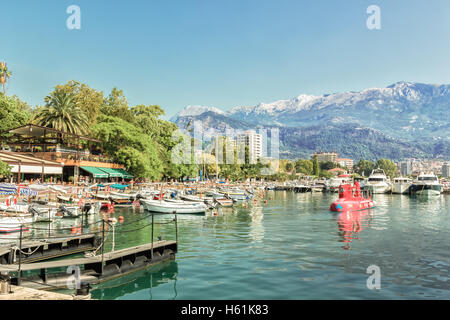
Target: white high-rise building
254, 142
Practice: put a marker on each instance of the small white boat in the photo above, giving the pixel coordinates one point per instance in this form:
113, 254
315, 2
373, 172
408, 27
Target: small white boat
121, 195
13, 224
401, 185
173, 207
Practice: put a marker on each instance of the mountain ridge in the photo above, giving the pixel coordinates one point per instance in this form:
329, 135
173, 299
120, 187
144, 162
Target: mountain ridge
408, 112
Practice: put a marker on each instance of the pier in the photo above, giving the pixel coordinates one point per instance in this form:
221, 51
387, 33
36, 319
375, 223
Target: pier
34, 266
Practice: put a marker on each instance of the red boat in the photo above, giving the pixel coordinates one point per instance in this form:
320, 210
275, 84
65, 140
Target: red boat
351, 199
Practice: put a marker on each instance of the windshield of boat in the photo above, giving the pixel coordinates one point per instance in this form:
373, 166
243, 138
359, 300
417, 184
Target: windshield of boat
376, 179
427, 178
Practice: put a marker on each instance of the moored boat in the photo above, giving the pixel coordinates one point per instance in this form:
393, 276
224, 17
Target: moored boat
427, 184
401, 185
162, 206
378, 182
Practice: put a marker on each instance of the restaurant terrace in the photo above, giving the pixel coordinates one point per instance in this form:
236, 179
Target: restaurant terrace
81, 157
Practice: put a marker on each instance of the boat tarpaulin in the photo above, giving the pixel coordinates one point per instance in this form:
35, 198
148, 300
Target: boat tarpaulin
119, 186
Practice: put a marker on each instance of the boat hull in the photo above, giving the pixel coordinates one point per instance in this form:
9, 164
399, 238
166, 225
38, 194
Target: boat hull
174, 207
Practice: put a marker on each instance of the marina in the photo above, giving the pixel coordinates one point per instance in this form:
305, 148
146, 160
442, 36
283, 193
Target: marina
43, 263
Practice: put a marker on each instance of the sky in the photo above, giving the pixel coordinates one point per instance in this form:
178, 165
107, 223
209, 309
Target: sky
222, 53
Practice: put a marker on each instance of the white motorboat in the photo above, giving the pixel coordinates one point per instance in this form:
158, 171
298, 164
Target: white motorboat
427, 184
177, 207
378, 182
401, 185
13, 224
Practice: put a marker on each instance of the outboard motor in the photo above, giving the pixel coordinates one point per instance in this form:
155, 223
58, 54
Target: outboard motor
87, 208
33, 210
65, 211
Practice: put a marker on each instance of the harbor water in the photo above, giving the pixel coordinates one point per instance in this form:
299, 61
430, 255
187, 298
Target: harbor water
293, 247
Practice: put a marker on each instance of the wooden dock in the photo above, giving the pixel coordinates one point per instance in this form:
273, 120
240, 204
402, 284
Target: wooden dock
48, 249
94, 269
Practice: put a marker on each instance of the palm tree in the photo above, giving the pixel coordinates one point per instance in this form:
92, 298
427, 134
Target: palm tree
5, 74
61, 113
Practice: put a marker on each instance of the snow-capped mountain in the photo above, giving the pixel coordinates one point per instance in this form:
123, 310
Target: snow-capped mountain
407, 111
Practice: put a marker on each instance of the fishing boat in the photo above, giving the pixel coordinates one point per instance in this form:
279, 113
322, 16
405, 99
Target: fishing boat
378, 182
351, 199
401, 185
173, 207
427, 184
224, 202
45, 213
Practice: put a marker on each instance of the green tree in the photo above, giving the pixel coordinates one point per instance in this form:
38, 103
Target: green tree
304, 166
5, 169
327, 165
61, 113
89, 100
289, 166
13, 113
364, 167
127, 144
116, 105
388, 166
5, 74
316, 166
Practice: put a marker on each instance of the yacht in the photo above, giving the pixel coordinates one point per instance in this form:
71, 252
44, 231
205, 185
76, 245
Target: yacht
378, 182
427, 184
401, 185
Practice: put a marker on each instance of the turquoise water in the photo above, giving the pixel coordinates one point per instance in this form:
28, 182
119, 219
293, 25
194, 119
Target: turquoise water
293, 247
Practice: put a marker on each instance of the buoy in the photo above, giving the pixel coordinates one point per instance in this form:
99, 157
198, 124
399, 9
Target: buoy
121, 219
265, 201
216, 213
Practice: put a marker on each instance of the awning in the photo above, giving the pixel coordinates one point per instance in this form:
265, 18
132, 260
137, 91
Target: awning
125, 174
96, 172
112, 172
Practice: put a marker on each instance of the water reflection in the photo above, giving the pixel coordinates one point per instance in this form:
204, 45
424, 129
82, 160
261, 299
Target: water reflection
146, 280
256, 232
350, 224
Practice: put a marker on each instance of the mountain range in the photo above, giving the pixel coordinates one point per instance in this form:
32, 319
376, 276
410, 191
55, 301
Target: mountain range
403, 120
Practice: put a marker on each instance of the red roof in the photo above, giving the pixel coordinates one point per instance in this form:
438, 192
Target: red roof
336, 170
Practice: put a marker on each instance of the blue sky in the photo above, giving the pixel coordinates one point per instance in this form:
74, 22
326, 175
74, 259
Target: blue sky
222, 53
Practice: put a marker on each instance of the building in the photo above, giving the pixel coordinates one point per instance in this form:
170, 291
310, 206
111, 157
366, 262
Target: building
26, 167
405, 168
253, 141
446, 170
326, 156
81, 158
348, 163
337, 171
